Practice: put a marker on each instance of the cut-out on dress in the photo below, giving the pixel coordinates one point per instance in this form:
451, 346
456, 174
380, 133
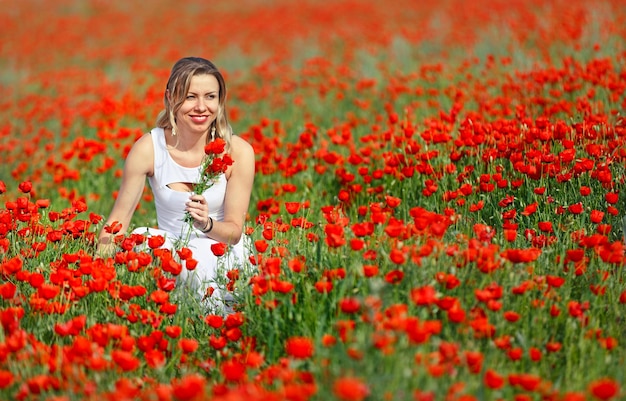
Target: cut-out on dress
170, 210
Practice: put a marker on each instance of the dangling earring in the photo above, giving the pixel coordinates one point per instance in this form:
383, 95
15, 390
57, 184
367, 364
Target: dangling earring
213, 133
172, 122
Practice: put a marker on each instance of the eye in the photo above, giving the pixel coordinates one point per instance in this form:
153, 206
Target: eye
189, 97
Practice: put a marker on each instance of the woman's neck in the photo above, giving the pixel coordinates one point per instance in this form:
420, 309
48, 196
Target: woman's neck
185, 142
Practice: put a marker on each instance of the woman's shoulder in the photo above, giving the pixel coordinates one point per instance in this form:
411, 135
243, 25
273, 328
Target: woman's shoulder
240, 146
141, 155
145, 142
243, 155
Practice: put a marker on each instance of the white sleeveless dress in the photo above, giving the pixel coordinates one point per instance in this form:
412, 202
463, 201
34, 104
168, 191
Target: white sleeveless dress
170, 210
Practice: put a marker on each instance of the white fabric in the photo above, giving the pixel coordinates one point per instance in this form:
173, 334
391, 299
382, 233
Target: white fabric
169, 203
170, 210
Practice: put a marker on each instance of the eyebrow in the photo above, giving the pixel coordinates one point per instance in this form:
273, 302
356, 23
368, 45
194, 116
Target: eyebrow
206, 93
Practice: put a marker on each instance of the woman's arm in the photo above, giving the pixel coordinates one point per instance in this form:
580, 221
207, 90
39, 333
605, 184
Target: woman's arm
139, 163
238, 191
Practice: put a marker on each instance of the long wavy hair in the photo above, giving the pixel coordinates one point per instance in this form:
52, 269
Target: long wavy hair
178, 87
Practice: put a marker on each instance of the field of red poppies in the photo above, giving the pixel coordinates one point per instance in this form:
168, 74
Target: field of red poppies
438, 210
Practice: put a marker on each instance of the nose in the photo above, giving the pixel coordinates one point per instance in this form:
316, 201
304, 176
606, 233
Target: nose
200, 104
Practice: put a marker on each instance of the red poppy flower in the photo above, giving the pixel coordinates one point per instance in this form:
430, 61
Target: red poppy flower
281, 286
350, 389
71, 327
420, 331
25, 187
323, 286
48, 291
43, 203
301, 222
233, 334
328, 340
215, 147
159, 296
299, 347
296, 264
474, 360
349, 305
535, 354
218, 165
292, 207
191, 264
11, 266
7, 290
527, 381
219, 248
545, 226
233, 370
54, 236
261, 245
530, 209
515, 354
392, 201
214, 321
168, 308
477, 206
156, 241
521, 255
576, 208
171, 266
334, 235
424, 296
370, 270
611, 197
234, 320
173, 331
6, 377
155, 358
397, 256
217, 342
188, 345
604, 388
343, 195
363, 229
356, 244
555, 281
553, 346
113, 228
511, 316
394, 276
189, 387
125, 360
608, 343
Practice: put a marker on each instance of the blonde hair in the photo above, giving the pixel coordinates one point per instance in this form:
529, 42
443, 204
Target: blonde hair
178, 86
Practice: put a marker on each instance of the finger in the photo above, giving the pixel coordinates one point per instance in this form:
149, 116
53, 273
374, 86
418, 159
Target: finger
197, 205
196, 213
198, 199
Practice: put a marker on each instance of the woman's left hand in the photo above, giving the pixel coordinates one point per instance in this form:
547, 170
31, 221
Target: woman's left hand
198, 209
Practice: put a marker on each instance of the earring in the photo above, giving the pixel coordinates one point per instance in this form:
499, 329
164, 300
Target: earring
172, 122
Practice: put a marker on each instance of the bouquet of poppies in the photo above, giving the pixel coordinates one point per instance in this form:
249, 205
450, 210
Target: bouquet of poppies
215, 163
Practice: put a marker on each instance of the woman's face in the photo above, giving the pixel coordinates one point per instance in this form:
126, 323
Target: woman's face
201, 104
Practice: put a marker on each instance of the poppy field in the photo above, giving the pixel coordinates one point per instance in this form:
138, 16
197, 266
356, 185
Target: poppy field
437, 214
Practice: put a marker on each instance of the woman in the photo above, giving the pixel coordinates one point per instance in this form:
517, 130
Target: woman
170, 157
